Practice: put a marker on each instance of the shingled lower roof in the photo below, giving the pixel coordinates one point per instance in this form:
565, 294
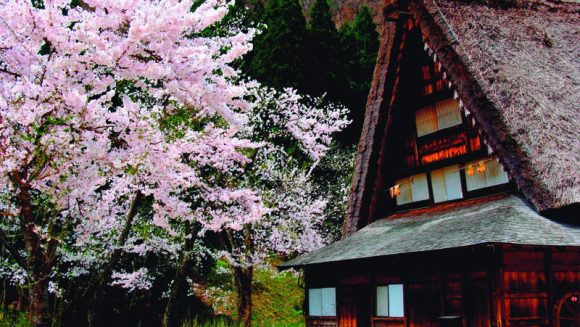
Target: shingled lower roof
503, 219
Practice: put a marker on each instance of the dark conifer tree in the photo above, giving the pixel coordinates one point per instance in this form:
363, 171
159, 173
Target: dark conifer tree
279, 54
324, 49
257, 9
315, 60
359, 44
367, 42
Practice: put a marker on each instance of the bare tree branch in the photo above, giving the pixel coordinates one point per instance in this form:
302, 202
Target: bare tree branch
6, 71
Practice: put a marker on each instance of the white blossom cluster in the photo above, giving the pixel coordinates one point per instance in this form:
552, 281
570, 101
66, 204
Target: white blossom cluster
12, 272
136, 281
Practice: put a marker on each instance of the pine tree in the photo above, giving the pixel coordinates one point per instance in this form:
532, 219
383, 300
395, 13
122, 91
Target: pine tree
367, 42
359, 44
278, 58
324, 50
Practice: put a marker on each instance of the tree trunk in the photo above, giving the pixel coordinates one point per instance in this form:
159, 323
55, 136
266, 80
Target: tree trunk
243, 279
38, 301
169, 316
105, 275
38, 269
243, 276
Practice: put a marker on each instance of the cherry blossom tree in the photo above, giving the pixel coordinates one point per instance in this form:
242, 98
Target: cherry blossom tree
119, 113
296, 133
83, 92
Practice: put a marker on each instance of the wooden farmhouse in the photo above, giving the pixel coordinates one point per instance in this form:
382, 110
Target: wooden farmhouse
464, 208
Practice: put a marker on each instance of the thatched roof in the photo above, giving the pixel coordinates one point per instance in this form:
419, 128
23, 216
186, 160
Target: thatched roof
501, 219
516, 67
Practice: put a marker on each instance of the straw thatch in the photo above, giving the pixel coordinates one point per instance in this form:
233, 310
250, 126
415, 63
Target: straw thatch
526, 58
516, 66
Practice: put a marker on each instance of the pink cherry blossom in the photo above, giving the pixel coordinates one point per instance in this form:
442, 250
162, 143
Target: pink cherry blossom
115, 101
68, 94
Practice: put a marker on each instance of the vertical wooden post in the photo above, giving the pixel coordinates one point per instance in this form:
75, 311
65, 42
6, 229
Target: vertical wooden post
502, 321
549, 285
497, 286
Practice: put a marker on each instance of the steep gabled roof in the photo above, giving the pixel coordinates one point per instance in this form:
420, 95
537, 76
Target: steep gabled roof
501, 219
517, 71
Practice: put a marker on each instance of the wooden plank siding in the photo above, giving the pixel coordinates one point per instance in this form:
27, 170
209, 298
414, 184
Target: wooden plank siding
535, 279
491, 285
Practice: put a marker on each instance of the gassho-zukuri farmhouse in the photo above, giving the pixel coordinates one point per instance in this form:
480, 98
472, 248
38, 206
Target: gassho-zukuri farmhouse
464, 208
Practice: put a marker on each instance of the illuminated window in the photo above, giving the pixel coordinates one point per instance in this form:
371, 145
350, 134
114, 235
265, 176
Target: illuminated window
437, 67
448, 113
475, 143
446, 184
484, 174
322, 302
432, 78
431, 119
412, 189
426, 120
390, 301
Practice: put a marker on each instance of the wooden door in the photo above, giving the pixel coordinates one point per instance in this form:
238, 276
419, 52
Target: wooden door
354, 305
423, 304
476, 303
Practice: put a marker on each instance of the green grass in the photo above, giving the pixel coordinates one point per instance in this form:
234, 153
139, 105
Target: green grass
13, 318
277, 300
216, 322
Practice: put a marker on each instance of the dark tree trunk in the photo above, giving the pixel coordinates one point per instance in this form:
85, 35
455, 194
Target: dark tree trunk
4, 291
243, 276
38, 268
243, 279
95, 293
170, 318
38, 301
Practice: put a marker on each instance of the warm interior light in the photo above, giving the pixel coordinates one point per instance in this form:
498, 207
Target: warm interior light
395, 191
475, 143
437, 67
444, 154
469, 170
481, 167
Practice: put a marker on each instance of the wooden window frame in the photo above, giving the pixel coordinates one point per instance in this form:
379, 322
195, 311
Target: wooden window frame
471, 155
375, 315
307, 295
489, 190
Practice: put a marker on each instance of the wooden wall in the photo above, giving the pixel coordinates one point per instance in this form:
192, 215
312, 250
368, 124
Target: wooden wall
532, 282
486, 286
